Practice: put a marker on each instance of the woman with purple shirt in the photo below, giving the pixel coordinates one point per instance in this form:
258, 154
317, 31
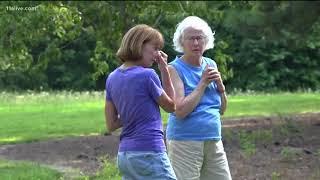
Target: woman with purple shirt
133, 96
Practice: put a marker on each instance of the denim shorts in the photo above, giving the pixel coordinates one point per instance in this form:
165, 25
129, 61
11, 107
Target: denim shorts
135, 165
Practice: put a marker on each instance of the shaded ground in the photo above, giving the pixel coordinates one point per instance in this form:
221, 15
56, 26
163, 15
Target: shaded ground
267, 150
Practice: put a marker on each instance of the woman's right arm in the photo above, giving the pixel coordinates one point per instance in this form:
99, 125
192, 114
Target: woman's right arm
111, 116
185, 105
166, 100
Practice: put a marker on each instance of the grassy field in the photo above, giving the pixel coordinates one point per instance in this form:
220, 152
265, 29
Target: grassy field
28, 116
25, 170
272, 104
33, 116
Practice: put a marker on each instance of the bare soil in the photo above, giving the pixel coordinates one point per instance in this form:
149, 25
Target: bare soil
292, 153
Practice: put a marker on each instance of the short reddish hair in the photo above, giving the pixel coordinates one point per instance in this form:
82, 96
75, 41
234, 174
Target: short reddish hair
133, 41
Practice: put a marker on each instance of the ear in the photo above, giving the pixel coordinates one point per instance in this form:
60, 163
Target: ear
181, 41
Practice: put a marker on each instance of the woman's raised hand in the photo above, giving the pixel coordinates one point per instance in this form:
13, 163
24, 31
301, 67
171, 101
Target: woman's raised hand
161, 59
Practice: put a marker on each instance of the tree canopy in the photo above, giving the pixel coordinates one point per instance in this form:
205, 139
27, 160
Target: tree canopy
267, 45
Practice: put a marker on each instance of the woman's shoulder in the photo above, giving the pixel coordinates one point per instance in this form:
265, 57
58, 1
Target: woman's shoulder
147, 73
207, 59
176, 60
112, 74
210, 61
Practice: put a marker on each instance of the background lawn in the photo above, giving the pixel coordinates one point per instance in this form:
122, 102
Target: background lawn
272, 104
33, 116
26, 171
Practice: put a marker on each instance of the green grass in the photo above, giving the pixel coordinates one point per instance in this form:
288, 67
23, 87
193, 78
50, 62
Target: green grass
33, 116
29, 116
23, 170
272, 104
26, 171
249, 139
109, 171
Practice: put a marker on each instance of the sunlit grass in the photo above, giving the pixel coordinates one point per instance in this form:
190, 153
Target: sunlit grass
272, 104
10, 139
109, 171
31, 116
35, 116
26, 171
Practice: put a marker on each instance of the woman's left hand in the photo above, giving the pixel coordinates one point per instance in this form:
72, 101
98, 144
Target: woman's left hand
217, 78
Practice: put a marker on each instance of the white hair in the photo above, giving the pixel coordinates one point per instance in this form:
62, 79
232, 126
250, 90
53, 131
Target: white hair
196, 23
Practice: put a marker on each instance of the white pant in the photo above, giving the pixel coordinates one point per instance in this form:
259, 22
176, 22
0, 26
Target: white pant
198, 160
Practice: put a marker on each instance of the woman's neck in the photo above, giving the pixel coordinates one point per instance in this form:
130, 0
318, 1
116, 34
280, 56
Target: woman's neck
129, 64
193, 60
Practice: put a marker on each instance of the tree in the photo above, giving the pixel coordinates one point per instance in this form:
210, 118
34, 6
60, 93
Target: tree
269, 45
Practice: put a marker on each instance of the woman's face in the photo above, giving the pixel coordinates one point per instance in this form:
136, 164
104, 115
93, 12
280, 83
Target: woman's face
193, 42
149, 53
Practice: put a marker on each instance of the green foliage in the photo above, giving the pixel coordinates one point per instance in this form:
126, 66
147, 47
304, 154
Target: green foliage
275, 48
43, 45
260, 45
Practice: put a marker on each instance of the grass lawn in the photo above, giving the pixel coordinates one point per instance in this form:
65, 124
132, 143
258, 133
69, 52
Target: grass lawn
23, 170
28, 116
34, 116
26, 171
272, 104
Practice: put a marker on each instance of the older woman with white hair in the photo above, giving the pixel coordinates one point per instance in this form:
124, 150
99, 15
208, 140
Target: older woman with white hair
194, 141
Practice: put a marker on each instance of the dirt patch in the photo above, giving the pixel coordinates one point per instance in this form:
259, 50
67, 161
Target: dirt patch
270, 148
274, 147
82, 153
